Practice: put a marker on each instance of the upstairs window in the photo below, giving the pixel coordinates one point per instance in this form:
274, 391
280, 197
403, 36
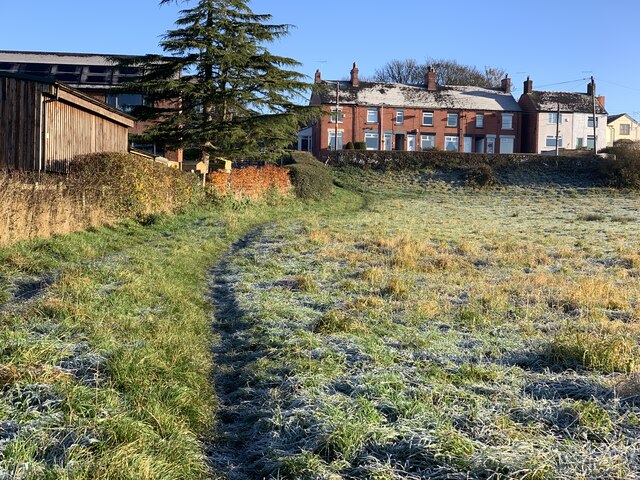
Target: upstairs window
554, 118
399, 117
372, 115
452, 119
427, 119
339, 116
625, 129
507, 121
479, 120
590, 122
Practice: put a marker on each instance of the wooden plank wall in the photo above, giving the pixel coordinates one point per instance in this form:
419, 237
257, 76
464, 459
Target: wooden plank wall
20, 123
72, 131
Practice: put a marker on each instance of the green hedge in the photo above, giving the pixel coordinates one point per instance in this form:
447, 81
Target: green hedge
398, 160
312, 180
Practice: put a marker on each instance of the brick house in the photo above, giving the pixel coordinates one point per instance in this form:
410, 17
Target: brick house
569, 115
392, 116
94, 75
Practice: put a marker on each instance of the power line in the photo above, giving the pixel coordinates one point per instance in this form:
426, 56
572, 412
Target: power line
621, 86
562, 83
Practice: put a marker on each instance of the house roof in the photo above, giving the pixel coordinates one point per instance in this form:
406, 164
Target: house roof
572, 102
613, 118
417, 96
87, 70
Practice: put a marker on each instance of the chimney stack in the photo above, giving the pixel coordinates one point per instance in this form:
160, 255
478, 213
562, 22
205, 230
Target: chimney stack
506, 84
355, 81
528, 85
431, 79
600, 99
318, 76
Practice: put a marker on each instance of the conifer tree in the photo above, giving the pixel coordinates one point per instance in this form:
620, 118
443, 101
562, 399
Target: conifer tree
217, 88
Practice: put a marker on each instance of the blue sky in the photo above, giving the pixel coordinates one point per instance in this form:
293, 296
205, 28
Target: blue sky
552, 41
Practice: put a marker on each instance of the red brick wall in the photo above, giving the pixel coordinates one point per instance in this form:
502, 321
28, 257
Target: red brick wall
355, 124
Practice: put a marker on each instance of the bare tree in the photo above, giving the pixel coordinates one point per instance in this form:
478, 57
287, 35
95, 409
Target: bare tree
448, 72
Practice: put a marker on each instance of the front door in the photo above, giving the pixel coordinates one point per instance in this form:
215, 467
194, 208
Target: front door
491, 144
468, 144
411, 143
399, 141
479, 144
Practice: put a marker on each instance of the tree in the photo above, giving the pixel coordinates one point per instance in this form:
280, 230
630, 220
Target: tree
448, 72
217, 88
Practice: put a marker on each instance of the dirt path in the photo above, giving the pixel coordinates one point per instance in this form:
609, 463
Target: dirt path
229, 454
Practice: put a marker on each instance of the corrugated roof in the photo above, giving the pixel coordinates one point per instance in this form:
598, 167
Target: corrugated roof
415, 96
568, 102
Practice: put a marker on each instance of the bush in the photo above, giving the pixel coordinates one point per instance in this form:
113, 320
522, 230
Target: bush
624, 171
251, 183
360, 145
481, 175
297, 157
311, 179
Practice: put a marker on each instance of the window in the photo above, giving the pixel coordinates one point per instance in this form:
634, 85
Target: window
625, 129
427, 118
590, 142
372, 115
372, 140
305, 143
452, 119
555, 118
551, 141
451, 143
479, 120
332, 139
427, 142
507, 121
125, 102
580, 142
333, 115
590, 122
506, 144
399, 117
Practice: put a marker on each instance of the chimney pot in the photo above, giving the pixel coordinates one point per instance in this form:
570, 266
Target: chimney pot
318, 76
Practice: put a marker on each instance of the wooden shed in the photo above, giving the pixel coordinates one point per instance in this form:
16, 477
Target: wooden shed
44, 124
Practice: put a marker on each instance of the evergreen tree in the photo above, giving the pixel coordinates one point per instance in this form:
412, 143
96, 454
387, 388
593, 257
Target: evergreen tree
217, 88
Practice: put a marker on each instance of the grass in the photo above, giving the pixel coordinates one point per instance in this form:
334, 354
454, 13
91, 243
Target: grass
417, 329
107, 375
449, 333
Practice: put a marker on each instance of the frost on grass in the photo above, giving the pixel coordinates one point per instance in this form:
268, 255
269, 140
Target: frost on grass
346, 356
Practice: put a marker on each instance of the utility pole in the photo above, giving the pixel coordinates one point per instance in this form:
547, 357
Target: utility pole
557, 130
595, 119
337, 116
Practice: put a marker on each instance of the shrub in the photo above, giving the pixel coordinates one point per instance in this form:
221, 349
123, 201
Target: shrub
481, 175
311, 178
296, 157
624, 170
360, 145
250, 183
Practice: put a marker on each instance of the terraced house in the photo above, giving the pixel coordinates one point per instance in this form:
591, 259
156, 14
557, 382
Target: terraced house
569, 116
393, 116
